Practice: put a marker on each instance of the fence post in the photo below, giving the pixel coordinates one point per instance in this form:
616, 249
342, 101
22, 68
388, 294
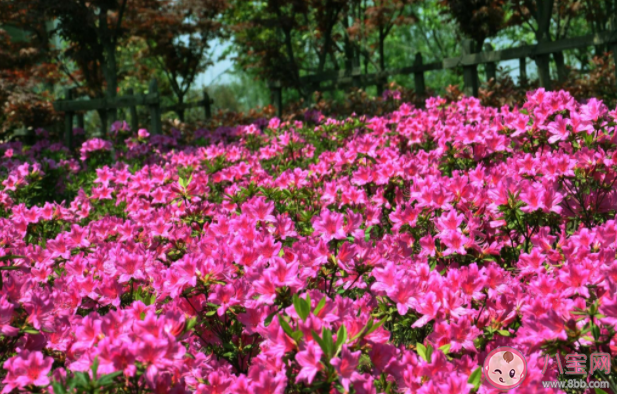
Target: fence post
207, 109
68, 121
356, 74
543, 64
380, 83
613, 48
470, 73
418, 77
133, 112
80, 121
522, 69
103, 115
544, 71
277, 97
155, 109
490, 68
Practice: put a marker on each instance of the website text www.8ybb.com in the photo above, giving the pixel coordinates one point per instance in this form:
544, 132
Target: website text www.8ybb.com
575, 384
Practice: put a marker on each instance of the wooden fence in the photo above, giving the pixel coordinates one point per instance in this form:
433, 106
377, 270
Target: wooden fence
469, 61
74, 109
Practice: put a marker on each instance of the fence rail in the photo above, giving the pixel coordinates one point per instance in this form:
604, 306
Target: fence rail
73, 109
469, 61
530, 51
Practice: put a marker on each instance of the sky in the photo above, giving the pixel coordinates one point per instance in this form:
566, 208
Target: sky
219, 72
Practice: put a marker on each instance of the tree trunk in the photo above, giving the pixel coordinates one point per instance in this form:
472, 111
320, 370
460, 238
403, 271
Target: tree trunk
382, 61
543, 17
104, 123
542, 62
180, 111
327, 39
349, 52
292, 60
562, 71
110, 68
584, 59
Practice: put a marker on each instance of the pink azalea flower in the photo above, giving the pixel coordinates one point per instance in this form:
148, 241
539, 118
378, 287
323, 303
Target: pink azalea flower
345, 366
310, 361
26, 368
329, 225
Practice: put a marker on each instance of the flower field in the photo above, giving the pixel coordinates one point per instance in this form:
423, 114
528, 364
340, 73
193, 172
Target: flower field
366, 255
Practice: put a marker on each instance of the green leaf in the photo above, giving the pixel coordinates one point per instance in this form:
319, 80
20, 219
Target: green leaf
11, 257
108, 379
302, 308
191, 323
58, 389
367, 233
429, 353
376, 326
600, 391
328, 342
445, 348
367, 326
82, 380
421, 350
138, 296
285, 326
475, 378
504, 333
595, 330
320, 306
95, 367
341, 338
31, 330
424, 351
297, 335
11, 268
269, 319
318, 339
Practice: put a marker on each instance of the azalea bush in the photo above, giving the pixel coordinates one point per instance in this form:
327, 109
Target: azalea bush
385, 254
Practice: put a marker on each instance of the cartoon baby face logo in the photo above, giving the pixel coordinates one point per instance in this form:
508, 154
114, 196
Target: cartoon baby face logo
505, 368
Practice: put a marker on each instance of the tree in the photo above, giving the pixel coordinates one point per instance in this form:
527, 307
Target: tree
285, 40
25, 68
281, 39
549, 20
383, 16
434, 35
92, 30
379, 19
477, 19
178, 35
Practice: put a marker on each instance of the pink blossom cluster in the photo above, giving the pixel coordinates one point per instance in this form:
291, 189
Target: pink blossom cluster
366, 255
93, 145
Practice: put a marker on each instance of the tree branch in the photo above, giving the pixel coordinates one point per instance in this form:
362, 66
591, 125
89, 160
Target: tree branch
118, 25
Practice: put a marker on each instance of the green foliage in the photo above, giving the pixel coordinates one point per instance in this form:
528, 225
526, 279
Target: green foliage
83, 383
